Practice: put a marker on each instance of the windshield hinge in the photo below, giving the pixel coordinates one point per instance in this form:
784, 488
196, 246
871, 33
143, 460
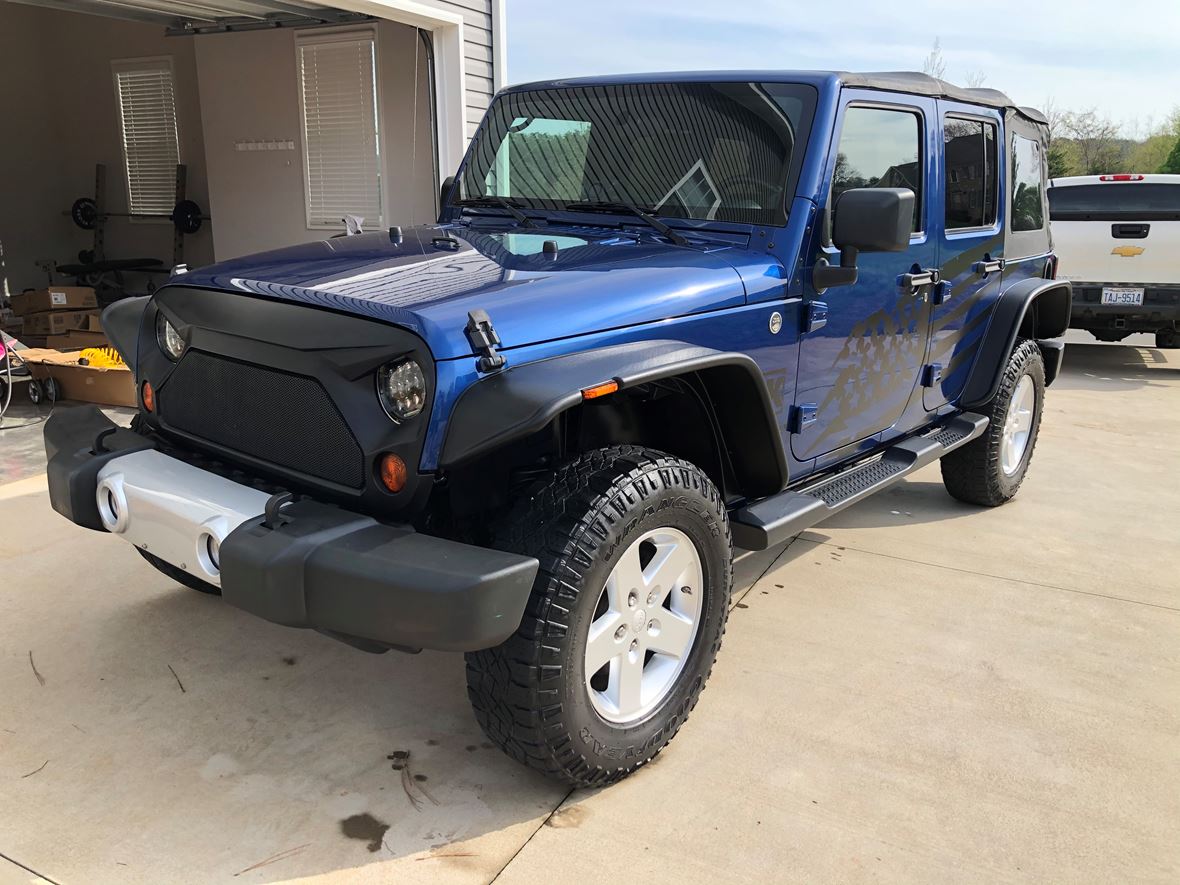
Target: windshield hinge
483, 338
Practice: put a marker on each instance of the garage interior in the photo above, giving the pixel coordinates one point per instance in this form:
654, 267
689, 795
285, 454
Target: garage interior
241, 94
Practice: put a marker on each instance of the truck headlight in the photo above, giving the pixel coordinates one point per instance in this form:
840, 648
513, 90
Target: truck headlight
170, 341
402, 389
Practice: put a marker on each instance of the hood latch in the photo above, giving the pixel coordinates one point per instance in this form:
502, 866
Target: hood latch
483, 338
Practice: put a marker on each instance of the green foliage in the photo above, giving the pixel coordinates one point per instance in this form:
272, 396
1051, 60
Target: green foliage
1059, 160
1172, 163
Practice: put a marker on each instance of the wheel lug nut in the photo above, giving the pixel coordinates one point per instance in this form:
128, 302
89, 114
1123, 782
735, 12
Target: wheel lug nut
632, 599
651, 598
634, 644
687, 591
620, 633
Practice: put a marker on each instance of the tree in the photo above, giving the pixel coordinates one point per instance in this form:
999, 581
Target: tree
935, 64
1172, 163
1095, 141
975, 79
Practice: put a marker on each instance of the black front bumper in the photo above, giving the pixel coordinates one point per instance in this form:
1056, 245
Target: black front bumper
315, 565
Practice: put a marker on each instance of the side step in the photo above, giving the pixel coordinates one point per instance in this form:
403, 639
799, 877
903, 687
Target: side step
773, 520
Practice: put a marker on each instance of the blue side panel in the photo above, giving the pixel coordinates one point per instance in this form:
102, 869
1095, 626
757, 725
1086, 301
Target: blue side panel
745, 330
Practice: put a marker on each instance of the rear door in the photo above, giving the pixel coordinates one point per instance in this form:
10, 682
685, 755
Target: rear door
1117, 228
970, 246
858, 371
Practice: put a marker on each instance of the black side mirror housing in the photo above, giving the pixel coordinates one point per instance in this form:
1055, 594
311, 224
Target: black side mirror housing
866, 219
445, 192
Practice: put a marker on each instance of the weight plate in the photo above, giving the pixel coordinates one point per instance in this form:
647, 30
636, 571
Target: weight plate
84, 212
187, 217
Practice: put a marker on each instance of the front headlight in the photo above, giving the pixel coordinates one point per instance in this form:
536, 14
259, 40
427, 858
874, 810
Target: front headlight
170, 341
402, 389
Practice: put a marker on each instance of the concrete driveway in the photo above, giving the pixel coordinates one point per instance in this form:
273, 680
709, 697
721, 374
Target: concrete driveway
917, 691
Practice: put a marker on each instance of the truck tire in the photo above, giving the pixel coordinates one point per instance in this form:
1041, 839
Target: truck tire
989, 470
179, 575
1167, 339
624, 621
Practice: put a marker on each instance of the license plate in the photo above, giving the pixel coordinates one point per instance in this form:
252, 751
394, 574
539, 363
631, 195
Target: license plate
1122, 297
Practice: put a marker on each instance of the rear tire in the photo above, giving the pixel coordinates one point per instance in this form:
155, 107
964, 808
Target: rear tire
1167, 339
621, 534
179, 575
989, 470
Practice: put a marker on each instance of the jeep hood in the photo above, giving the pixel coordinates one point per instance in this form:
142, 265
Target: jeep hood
429, 278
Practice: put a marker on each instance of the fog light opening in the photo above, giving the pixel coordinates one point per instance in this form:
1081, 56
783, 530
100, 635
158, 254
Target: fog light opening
393, 472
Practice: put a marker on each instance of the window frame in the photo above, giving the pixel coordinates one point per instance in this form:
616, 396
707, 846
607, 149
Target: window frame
347, 34
1013, 183
145, 63
923, 157
999, 137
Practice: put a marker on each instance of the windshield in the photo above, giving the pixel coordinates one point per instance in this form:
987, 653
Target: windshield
710, 151
1111, 201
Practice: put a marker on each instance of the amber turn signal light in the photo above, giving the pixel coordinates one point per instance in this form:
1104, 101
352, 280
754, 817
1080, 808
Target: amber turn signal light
393, 472
599, 390
149, 397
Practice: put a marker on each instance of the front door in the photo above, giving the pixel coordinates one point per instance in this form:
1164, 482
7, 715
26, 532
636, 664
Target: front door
971, 246
858, 372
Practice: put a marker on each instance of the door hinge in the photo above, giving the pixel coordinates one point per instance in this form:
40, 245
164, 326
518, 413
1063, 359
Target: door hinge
817, 316
931, 375
803, 416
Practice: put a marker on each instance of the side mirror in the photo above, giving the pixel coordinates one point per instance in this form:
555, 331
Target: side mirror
445, 192
866, 219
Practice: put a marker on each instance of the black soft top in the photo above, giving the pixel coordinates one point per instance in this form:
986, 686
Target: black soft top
923, 84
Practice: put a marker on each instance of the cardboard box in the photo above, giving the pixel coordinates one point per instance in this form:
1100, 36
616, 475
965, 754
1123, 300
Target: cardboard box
88, 384
76, 339
53, 298
57, 322
94, 324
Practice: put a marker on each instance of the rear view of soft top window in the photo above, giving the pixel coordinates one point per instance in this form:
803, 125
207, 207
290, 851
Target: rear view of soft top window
1116, 201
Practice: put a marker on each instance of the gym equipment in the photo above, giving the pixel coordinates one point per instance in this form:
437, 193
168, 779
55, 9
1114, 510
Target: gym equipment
90, 213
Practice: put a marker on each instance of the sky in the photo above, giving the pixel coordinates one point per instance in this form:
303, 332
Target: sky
1121, 58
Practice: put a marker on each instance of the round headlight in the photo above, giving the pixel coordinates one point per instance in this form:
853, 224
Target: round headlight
170, 341
402, 388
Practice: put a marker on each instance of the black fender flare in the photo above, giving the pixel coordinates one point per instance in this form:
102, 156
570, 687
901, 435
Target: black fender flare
521, 400
1033, 308
121, 322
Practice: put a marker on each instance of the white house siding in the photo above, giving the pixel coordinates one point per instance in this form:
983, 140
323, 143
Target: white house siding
477, 46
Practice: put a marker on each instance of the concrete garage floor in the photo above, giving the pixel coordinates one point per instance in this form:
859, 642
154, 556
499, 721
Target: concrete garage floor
916, 691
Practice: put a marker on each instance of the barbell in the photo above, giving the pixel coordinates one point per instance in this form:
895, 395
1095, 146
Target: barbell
186, 216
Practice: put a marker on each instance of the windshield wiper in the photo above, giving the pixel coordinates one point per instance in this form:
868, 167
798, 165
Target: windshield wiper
500, 203
637, 211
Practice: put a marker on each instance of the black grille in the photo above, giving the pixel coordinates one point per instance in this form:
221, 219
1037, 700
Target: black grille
281, 419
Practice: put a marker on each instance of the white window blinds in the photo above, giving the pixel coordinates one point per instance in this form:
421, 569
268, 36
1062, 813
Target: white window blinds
147, 118
338, 90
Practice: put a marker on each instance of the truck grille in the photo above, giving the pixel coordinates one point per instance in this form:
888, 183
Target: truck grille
276, 417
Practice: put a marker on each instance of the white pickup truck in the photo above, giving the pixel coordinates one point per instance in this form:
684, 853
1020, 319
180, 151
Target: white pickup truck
1117, 239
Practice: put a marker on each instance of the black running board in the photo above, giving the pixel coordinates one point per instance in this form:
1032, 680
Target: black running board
773, 520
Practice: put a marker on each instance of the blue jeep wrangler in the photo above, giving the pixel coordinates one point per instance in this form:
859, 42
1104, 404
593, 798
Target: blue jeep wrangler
659, 317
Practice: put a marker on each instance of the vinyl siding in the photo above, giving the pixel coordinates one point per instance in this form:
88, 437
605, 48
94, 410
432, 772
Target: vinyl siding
477, 49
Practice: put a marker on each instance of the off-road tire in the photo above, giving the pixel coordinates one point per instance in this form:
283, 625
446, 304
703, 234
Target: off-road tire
179, 575
973, 473
529, 693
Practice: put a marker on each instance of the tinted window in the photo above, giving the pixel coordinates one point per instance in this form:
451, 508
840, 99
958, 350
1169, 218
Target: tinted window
722, 151
880, 148
1116, 200
970, 163
1027, 211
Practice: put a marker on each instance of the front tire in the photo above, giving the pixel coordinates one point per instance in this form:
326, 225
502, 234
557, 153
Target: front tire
989, 470
624, 621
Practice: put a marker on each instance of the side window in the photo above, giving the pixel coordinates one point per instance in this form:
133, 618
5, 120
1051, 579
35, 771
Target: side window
880, 148
970, 163
1027, 203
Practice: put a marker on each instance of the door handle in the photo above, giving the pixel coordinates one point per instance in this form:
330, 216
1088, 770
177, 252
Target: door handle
915, 280
1130, 231
988, 265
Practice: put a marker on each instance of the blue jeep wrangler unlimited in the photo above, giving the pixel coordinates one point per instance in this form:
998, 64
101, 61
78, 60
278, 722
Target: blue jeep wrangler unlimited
659, 317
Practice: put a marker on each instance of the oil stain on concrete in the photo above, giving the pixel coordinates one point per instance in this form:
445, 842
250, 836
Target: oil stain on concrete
366, 828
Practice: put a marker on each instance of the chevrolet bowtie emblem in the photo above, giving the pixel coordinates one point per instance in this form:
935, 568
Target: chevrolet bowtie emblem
1127, 251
